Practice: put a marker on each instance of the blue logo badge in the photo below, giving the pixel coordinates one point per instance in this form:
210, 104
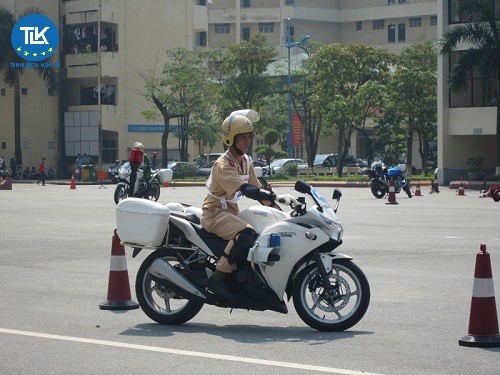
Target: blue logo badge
35, 37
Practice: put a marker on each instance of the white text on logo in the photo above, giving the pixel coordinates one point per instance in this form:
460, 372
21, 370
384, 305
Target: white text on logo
33, 36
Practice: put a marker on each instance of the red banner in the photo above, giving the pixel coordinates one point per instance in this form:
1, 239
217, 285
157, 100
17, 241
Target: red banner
297, 139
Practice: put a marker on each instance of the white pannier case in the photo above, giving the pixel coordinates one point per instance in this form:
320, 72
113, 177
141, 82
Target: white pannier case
141, 222
165, 175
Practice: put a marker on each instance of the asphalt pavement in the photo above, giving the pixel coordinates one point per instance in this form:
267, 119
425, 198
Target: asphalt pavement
419, 257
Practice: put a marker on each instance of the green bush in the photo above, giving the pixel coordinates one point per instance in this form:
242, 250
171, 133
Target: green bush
291, 169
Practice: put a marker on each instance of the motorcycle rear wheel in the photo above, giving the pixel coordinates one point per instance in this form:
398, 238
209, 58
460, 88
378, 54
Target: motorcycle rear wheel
153, 192
158, 303
407, 190
120, 193
332, 314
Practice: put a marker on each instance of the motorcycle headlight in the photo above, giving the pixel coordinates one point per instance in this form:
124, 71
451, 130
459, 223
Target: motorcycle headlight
335, 229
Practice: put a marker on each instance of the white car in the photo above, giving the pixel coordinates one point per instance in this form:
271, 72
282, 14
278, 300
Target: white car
279, 166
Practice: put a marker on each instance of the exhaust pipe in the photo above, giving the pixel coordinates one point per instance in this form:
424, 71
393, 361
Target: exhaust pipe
164, 271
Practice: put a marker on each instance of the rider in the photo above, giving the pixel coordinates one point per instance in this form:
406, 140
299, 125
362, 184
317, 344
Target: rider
232, 177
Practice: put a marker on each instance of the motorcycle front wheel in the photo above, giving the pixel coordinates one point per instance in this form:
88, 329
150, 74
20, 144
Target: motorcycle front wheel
153, 192
120, 193
378, 189
159, 303
336, 312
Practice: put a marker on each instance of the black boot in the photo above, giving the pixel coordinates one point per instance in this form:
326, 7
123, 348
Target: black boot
217, 284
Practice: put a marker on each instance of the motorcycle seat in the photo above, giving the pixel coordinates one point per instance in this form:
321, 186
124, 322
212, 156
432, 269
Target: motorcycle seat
214, 242
191, 217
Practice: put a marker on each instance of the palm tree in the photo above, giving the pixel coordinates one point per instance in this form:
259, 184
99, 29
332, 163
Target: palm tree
12, 73
483, 34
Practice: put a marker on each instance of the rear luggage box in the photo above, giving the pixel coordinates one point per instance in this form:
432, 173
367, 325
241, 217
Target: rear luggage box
141, 223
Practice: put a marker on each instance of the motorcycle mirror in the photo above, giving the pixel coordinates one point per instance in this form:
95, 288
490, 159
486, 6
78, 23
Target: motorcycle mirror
303, 187
337, 194
258, 171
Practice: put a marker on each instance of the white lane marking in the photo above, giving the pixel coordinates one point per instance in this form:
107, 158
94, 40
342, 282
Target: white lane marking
158, 349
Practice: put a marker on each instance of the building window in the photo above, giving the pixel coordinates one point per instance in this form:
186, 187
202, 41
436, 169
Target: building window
202, 38
246, 4
391, 2
246, 33
401, 33
202, 2
50, 92
51, 145
475, 95
289, 2
378, 24
434, 20
391, 33
266, 27
2, 92
416, 22
359, 25
24, 91
4, 145
401, 1
222, 28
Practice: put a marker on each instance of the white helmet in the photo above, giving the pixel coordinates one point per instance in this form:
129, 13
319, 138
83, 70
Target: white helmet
234, 125
138, 145
402, 167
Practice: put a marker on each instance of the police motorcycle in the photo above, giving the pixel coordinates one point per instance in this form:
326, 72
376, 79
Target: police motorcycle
148, 189
294, 257
380, 178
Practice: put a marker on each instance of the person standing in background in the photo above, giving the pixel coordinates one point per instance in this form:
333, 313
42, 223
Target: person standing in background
13, 164
41, 170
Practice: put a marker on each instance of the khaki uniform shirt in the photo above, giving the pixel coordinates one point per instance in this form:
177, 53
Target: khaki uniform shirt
227, 177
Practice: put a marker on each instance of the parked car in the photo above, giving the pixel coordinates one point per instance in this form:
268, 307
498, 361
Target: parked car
280, 165
205, 169
204, 159
182, 168
331, 161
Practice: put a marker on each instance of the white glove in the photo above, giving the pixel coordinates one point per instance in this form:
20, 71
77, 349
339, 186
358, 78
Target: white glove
286, 198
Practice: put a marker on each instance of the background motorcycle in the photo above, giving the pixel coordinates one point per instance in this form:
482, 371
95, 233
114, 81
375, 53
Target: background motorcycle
381, 175
330, 292
149, 189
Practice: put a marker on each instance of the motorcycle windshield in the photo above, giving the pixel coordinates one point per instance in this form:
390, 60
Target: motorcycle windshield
319, 198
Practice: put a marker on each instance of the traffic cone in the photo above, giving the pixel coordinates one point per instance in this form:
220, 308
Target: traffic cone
392, 193
119, 297
73, 182
483, 320
418, 193
461, 188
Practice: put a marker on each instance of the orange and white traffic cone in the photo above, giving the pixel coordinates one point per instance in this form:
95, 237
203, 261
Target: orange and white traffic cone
418, 193
73, 182
119, 297
392, 193
483, 320
461, 188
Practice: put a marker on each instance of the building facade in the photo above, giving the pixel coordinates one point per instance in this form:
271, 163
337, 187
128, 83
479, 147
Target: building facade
106, 43
466, 121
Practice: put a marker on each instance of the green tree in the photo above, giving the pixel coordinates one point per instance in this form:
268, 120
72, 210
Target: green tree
482, 33
243, 67
179, 91
413, 88
349, 88
11, 74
